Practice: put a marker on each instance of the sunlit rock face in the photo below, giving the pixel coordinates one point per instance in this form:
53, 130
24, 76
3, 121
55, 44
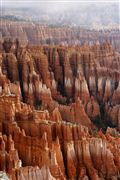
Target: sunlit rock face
79, 83
52, 98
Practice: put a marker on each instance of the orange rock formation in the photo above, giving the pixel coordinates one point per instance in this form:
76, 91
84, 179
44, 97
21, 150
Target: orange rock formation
51, 100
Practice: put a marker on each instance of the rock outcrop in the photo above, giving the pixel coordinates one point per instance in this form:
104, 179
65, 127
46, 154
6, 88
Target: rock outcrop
52, 100
33, 33
45, 149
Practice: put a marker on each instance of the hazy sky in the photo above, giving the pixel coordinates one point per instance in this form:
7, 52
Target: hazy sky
67, 11
28, 3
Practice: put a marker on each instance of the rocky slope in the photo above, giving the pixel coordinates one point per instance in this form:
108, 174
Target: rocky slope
52, 98
34, 146
33, 33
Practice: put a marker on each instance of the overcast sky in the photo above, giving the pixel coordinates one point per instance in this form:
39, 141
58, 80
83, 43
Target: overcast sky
67, 11
28, 3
